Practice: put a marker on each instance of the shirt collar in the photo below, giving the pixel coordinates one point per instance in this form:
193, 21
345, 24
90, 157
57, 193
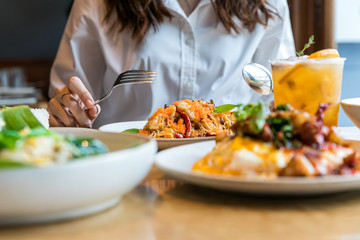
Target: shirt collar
175, 6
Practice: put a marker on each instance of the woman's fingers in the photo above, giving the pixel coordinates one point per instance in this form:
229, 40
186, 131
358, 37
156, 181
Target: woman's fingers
76, 109
80, 92
72, 105
59, 113
54, 122
76, 86
94, 112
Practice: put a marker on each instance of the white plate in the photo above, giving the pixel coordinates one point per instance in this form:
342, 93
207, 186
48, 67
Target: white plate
122, 126
162, 143
349, 133
79, 187
177, 162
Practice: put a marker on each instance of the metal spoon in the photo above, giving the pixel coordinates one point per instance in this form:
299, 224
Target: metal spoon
258, 78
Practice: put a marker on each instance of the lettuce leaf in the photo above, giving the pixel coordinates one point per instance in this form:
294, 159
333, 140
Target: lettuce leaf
18, 123
4, 163
18, 118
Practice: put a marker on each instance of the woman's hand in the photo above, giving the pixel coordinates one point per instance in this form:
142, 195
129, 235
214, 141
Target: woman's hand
72, 106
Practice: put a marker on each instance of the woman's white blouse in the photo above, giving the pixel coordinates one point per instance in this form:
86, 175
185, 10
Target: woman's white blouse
194, 57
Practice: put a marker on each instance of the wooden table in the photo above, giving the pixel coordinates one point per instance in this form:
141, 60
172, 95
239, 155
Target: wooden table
164, 208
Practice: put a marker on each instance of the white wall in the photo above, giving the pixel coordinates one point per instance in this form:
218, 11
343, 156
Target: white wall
347, 21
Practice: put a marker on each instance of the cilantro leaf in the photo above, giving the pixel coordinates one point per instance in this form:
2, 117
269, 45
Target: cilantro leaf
283, 107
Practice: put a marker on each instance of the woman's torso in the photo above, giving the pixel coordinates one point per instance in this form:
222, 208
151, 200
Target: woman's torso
194, 57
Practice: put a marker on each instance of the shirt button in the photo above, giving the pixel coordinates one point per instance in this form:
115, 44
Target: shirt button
188, 42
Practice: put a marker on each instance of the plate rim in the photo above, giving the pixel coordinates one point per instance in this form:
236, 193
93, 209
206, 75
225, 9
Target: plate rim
213, 181
101, 128
161, 140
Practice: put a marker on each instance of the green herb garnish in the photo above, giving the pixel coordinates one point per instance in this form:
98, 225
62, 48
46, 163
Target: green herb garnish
306, 46
131, 130
225, 108
255, 113
283, 107
282, 129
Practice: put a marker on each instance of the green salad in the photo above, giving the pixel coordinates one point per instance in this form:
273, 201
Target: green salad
25, 141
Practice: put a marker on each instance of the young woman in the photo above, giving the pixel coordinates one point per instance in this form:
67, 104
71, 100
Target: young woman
198, 49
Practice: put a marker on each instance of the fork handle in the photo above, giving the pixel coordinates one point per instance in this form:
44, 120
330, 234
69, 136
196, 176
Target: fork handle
101, 99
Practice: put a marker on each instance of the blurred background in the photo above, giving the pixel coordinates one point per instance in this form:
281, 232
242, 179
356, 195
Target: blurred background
30, 32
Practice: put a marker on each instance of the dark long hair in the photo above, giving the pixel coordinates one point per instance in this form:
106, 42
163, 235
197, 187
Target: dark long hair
140, 15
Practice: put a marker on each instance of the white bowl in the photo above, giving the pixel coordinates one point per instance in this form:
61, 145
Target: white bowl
351, 107
79, 187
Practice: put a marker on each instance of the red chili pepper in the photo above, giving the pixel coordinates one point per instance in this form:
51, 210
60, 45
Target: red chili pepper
186, 121
178, 135
209, 134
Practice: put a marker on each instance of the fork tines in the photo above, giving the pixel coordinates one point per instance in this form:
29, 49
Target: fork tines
133, 75
138, 81
138, 72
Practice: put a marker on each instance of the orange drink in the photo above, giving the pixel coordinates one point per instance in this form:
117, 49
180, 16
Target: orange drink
306, 82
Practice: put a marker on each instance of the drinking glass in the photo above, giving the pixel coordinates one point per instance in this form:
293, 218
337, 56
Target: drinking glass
12, 77
306, 83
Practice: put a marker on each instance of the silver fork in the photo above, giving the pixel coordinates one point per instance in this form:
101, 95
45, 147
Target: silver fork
130, 77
